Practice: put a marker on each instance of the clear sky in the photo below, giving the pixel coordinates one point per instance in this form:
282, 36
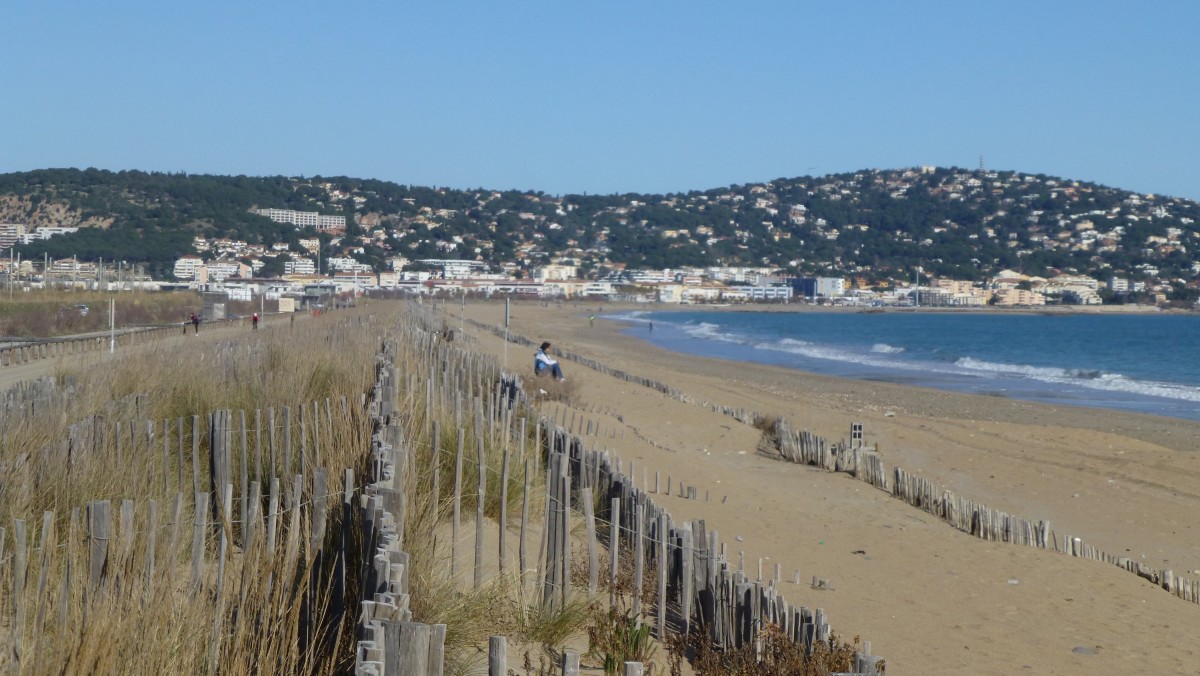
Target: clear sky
602, 97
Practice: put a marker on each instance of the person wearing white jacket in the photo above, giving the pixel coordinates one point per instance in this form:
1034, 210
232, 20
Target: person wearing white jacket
543, 363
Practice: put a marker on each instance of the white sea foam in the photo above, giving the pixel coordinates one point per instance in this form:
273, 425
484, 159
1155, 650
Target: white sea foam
1090, 379
708, 331
1025, 370
886, 357
831, 353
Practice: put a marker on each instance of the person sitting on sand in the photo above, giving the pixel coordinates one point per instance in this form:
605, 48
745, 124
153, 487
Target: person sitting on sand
544, 363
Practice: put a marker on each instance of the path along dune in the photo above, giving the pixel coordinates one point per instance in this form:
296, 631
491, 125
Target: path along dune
932, 600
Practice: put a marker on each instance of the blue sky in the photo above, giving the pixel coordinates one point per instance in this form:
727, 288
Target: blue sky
604, 97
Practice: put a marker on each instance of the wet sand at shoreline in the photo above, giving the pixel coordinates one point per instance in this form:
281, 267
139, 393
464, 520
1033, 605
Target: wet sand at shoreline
931, 599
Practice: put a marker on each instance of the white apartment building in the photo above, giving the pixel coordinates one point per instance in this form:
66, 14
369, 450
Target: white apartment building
454, 269
819, 287
186, 267
347, 264
71, 267
300, 266
554, 272
46, 232
1011, 297
389, 279
1081, 295
221, 270
305, 219
767, 292
10, 234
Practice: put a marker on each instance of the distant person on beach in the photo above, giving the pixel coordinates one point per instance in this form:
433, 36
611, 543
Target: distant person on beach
196, 322
591, 320
651, 327
254, 320
543, 363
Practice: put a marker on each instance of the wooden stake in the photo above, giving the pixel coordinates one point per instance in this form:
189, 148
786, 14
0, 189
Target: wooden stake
497, 656
521, 552
589, 517
504, 507
614, 547
458, 470
638, 557
479, 504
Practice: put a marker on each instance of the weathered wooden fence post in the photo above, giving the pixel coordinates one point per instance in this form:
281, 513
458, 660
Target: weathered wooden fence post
497, 656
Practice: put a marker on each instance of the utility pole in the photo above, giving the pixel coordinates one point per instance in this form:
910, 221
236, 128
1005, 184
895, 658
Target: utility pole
112, 325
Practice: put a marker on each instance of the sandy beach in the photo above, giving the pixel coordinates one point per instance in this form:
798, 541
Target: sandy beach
931, 600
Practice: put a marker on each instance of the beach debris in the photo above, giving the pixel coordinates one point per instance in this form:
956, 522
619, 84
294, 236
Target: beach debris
859, 551
740, 538
889, 414
1013, 580
1085, 650
821, 584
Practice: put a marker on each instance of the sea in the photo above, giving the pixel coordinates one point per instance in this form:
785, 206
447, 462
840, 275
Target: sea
1143, 363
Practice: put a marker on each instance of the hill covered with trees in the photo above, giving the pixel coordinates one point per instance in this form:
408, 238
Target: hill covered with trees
875, 224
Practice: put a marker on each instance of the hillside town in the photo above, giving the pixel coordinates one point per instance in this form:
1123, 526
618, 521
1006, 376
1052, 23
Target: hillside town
925, 236
450, 277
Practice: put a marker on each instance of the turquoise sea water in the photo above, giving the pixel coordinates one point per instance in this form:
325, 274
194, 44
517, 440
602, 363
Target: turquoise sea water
1143, 363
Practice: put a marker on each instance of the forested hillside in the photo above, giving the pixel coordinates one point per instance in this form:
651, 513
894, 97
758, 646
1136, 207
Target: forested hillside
873, 224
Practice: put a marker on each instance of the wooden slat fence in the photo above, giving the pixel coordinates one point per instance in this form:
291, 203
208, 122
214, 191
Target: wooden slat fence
683, 567
59, 347
964, 514
804, 447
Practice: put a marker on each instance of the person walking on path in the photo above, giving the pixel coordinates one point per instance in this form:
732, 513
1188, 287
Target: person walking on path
254, 320
543, 363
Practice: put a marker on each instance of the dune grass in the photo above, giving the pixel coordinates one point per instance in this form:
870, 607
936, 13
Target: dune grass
272, 607
56, 312
147, 614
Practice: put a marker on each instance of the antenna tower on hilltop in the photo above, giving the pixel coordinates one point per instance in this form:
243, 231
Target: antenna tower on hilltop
980, 161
